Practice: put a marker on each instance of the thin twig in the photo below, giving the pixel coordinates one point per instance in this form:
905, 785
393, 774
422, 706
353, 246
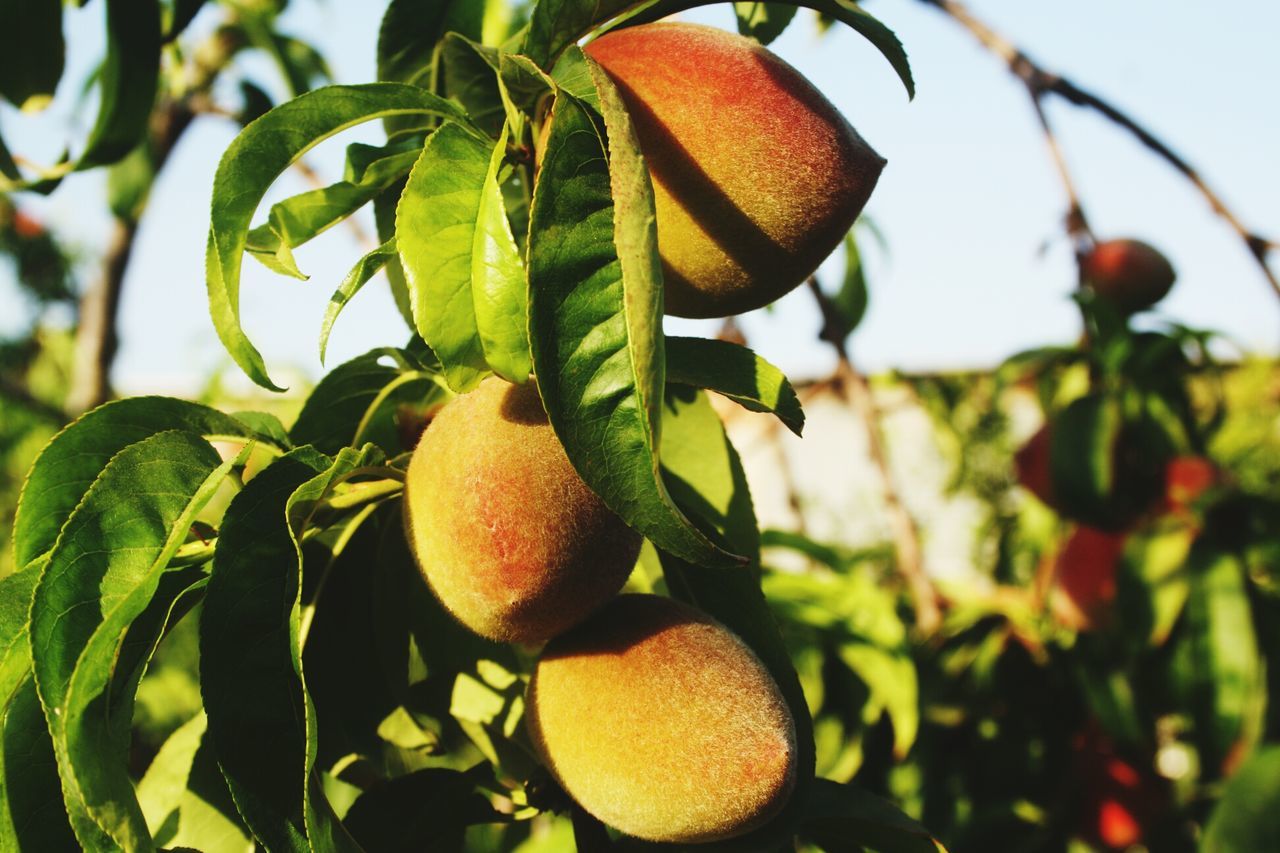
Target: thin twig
902, 527
1042, 82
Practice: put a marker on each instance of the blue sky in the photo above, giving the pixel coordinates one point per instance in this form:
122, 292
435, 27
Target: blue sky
977, 266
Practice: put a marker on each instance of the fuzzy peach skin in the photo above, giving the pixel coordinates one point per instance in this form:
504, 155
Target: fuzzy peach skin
756, 176
507, 535
660, 722
1130, 274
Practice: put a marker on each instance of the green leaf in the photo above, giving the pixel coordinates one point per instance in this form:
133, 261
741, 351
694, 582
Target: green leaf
557, 24
366, 268
498, 281
436, 235
763, 22
595, 316
1247, 818
101, 576
262, 151
705, 476
35, 817
261, 719
357, 653
185, 799
1082, 457
32, 49
357, 401
410, 30
1218, 658
296, 220
851, 300
425, 810
31, 811
66, 467
184, 12
470, 77
846, 818
737, 373
128, 80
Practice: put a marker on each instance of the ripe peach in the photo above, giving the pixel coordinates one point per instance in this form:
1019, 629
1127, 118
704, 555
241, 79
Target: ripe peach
1086, 575
1186, 478
662, 723
756, 175
1129, 274
507, 535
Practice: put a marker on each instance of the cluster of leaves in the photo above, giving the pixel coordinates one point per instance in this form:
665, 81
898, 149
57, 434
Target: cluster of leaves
1023, 709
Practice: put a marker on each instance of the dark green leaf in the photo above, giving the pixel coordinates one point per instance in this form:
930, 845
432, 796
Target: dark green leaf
33, 817
260, 717
31, 813
436, 236
846, 818
31, 50
737, 373
470, 77
261, 152
851, 300
595, 306
184, 11
365, 269
101, 576
68, 465
426, 810
763, 22
1247, 818
356, 403
410, 30
706, 478
128, 81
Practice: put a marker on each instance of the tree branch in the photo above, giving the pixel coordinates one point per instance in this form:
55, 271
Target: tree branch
902, 527
1041, 82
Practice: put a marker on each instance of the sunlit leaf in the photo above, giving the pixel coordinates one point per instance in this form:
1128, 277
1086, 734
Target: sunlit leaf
498, 285
366, 268
72, 460
595, 308
737, 373
252, 162
105, 571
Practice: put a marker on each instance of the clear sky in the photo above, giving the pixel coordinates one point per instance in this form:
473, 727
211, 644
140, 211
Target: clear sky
977, 265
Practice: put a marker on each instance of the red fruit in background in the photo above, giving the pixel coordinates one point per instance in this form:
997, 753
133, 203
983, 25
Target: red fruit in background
1129, 274
1086, 575
1117, 801
1031, 463
27, 227
1186, 478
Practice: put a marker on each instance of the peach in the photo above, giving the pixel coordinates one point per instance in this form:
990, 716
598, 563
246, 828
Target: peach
507, 535
661, 722
756, 175
1129, 274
